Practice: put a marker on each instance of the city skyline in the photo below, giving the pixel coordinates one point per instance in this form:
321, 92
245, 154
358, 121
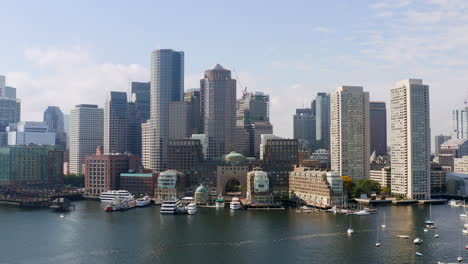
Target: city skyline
83, 67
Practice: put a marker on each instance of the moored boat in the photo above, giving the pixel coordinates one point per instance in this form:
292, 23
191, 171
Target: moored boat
142, 202
191, 208
219, 202
235, 204
169, 206
417, 241
106, 197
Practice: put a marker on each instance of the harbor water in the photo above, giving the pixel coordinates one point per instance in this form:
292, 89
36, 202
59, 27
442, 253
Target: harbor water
143, 235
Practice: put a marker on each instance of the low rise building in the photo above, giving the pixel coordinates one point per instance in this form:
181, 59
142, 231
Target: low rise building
201, 195
383, 176
450, 150
461, 165
170, 184
232, 175
258, 187
438, 180
31, 164
315, 187
102, 171
139, 183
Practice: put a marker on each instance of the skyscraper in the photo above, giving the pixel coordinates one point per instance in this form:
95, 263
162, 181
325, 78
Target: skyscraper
350, 141
86, 134
460, 123
10, 107
304, 128
322, 121
410, 139
53, 117
218, 107
141, 93
138, 112
192, 97
167, 84
115, 123
378, 128
254, 116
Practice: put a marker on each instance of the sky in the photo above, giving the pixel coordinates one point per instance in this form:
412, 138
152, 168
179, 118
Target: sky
67, 52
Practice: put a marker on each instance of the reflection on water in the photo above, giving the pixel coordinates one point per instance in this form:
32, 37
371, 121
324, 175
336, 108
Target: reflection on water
143, 235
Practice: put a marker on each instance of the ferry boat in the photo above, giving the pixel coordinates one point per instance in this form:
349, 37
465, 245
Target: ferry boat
142, 202
106, 197
235, 204
220, 203
191, 208
120, 204
169, 206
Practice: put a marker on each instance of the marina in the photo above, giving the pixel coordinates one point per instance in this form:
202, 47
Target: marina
88, 234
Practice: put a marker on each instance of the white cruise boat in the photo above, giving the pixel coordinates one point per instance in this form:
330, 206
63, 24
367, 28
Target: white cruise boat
106, 197
142, 202
169, 206
191, 208
220, 202
235, 204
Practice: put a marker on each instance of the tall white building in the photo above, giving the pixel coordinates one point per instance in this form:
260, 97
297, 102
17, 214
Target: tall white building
86, 134
410, 139
167, 84
350, 132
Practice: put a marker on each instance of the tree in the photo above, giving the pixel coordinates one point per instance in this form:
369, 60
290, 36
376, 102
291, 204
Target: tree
387, 190
348, 184
76, 180
366, 186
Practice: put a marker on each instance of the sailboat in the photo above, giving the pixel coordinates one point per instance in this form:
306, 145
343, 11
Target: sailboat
465, 226
429, 221
377, 244
459, 259
383, 226
350, 228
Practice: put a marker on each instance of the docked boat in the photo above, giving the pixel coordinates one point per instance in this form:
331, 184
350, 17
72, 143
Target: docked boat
219, 202
106, 197
235, 204
362, 213
403, 236
170, 206
417, 241
191, 208
142, 202
419, 254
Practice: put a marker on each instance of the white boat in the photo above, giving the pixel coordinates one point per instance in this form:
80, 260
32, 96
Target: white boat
169, 206
377, 244
417, 241
191, 208
419, 254
465, 231
235, 204
220, 202
426, 230
403, 236
459, 259
142, 202
429, 221
362, 213
350, 228
113, 205
383, 226
462, 215
436, 235
106, 197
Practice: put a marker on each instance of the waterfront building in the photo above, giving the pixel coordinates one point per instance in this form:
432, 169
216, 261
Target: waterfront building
461, 165
460, 123
304, 128
25, 133
382, 175
410, 139
179, 120
258, 187
450, 150
115, 123
279, 158
193, 99
378, 128
350, 135
31, 164
438, 141
86, 134
53, 117
232, 175
322, 121
102, 171
201, 195
317, 188
438, 179
138, 183
457, 184
167, 85
171, 184
218, 110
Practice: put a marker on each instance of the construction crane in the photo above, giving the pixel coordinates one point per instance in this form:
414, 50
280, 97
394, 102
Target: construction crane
244, 88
